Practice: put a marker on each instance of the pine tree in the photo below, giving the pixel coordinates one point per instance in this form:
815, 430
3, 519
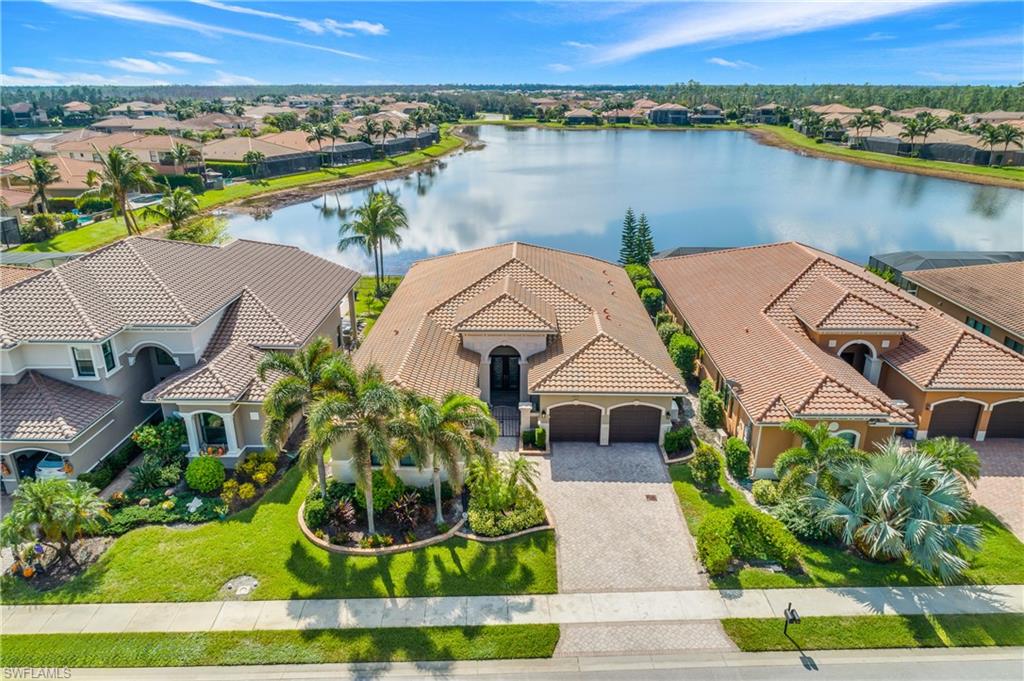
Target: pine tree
644, 241
628, 250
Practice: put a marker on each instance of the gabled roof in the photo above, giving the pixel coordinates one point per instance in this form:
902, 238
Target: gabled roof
417, 340
11, 275
72, 171
580, 113
38, 407
235, 148
827, 306
993, 292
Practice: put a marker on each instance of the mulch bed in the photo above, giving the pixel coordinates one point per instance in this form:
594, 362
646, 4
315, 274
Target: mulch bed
385, 524
86, 551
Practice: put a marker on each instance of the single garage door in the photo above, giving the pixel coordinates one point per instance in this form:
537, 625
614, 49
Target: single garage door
575, 423
634, 424
954, 418
1007, 421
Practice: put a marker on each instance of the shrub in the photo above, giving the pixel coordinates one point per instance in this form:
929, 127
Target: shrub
737, 458
527, 512
641, 284
164, 440
92, 204
205, 474
342, 513
678, 440
744, 533
170, 475
712, 409
635, 272
653, 299
40, 226
106, 470
663, 317
540, 438
191, 180
706, 466
803, 521
246, 491
147, 474
683, 350
260, 478
406, 510
529, 439
386, 491
766, 492
315, 514
668, 329
267, 469
229, 493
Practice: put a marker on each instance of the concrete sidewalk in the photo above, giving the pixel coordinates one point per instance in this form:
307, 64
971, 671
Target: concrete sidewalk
368, 613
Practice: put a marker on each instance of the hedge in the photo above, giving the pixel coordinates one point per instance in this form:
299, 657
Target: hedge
229, 168
737, 458
103, 473
683, 350
189, 180
747, 534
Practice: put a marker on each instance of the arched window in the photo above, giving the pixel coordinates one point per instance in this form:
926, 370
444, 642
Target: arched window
851, 436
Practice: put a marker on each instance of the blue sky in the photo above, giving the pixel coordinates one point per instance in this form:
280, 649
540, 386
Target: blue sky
232, 42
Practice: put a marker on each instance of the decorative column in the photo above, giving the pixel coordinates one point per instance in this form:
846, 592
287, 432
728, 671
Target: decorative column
193, 434
485, 379
983, 418
525, 409
353, 325
524, 367
229, 432
606, 425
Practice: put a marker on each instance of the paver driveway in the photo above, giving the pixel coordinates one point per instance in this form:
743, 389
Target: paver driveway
1001, 486
612, 535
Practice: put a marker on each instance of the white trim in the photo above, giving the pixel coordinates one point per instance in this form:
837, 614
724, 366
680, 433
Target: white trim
133, 352
931, 405
874, 352
575, 403
74, 364
856, 436
637, 403
1006, 401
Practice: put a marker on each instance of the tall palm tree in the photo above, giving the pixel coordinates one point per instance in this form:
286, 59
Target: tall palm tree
255, 160
911, 131
238, 109
404, 127
445, 435
362, 410
387, 129
875, 122
181, 154
301, 379
42, 173
811, 461
175, 208
120, 173
1010, 134
928, 124
954, 120
857, 123
368, 130
377, 222
315, 132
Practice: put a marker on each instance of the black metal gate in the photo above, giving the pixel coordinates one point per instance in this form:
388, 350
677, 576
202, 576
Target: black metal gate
508, 420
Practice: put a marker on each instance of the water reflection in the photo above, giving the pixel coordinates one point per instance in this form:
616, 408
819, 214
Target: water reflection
569, 189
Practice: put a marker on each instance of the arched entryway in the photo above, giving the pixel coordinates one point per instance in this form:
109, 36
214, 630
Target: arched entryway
505, 376
32, 464
634, 423
857, 354
574, 423
955, 418
1007, 420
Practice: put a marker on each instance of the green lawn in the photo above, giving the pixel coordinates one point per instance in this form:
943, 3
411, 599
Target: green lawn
280, 647
107, 231
165, 564
791, 136
878, 631
368, 307
1000, 560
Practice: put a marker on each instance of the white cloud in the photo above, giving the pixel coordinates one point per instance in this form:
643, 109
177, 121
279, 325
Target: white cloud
135, 65
718, 61
578, 45
113, 9
948, 26
747, 22
317, 27
188, 57
878, 35
28, 76
559, 68
225, 78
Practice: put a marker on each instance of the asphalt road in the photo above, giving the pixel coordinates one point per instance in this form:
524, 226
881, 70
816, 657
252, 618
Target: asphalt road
999, 664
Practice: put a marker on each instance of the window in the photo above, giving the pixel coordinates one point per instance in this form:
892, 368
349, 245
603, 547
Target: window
109, 359
163, 358
979, 326
212, 426
1014, 345
84, 368
850, 436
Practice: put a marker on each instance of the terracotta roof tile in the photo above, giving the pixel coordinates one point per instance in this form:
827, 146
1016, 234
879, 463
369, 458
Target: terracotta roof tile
994, 292
38, 407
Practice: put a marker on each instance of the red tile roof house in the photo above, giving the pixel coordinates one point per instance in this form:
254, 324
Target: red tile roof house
789, 331
546, 337
93, 348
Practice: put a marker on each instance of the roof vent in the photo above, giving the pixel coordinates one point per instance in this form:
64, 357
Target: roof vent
608, 317
394, 331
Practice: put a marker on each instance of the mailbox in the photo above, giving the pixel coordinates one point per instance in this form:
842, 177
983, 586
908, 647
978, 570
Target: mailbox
791, 617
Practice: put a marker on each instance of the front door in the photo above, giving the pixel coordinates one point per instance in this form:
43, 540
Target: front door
505, 373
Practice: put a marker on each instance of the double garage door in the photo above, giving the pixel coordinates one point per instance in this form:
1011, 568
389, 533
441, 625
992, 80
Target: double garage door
582, 423
960, 419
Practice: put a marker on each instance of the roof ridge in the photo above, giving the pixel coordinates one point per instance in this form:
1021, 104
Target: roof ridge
778, 398
792, 282
270, 313
945, 358
726, 249
852, 294
408, 350
75, 303
160, 282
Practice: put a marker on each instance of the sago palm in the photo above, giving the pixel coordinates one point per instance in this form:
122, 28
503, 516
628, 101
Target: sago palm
301, 378
819, 451
900, 504
445, 436
120, 174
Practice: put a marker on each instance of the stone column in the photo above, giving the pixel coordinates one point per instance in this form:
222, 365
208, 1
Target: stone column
485, 379
983, 418
666, 425
525, 409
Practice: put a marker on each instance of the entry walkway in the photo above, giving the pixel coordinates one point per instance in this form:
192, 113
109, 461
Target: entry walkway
577, 608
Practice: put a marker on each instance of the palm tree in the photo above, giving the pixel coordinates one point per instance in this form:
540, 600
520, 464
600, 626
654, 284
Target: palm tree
404, 127
955, 455
368, 129
990, 136
928, 124
175, 208
315, 133
120, 173
42, 173
875, 122
181, 154
238, 109
302, 378
911, 131
1010, 134
362, 410
446, 435
255, 161
378, 221
954, 120
899, 504
857, 123
387, 129
416, 120
819, 450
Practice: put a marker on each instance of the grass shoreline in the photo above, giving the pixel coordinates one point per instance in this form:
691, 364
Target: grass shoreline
310, 646
108, 231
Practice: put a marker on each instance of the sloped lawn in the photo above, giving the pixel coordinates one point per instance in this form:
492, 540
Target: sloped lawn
1000, 560
192, 564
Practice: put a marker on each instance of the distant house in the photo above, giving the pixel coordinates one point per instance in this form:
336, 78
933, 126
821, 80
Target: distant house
76, 107
623, 116
45, 146
707, 113
138, 109
922, 110
278, 159
345, 153
832, 109
767, 114
580, 117
405, 107
16, 191
26, 114
987, 298
945, 144
644, 104
213, 121
669, 113
155, 150
113, 124
995, 117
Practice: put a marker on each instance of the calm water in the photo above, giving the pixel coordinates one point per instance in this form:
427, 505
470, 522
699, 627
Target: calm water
570, 189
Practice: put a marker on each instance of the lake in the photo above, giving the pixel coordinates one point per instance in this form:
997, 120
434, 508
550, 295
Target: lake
569, 190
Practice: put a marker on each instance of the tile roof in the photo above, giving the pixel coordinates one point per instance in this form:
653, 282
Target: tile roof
827, 306
600, 337
235, 149
11, 274
38, 407
72, 172
995, 292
